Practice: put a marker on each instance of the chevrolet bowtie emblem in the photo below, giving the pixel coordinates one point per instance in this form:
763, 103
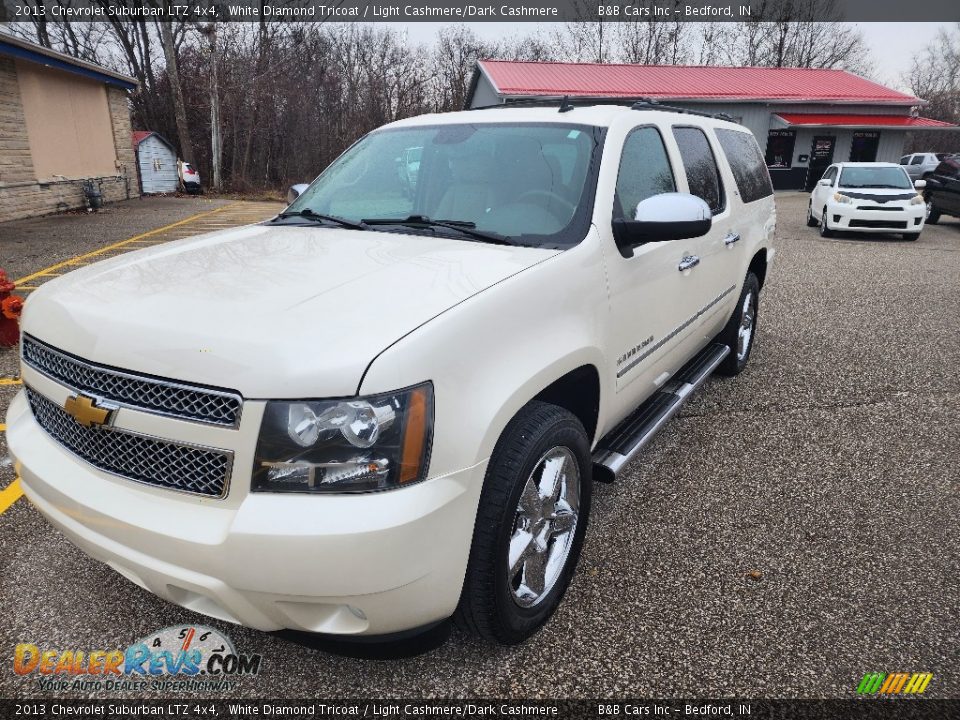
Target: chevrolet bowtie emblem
84, 410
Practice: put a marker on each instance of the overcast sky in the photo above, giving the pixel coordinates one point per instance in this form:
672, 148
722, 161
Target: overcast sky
892, 45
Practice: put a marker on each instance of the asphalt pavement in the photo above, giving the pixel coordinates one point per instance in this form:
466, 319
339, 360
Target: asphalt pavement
792, 529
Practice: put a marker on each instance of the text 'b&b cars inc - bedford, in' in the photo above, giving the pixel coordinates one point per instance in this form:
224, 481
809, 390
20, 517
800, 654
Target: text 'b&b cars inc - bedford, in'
386, 406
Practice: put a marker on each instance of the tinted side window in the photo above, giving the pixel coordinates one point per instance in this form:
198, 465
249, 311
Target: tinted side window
702, 174
746, 162
905, 160
644, 171
917, 160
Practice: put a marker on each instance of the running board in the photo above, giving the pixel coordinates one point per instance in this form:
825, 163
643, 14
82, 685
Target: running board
622, 444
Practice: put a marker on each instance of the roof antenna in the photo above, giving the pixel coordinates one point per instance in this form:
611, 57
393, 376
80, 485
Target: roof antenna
565, 104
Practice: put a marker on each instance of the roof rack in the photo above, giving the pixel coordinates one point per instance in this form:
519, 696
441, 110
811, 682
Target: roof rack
567, 103
651, 104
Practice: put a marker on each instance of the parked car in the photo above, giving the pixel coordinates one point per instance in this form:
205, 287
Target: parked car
920, 165
381, 409
942, 194
867, 197
189, 178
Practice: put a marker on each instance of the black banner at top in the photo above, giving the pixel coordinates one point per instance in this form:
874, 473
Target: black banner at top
456, 11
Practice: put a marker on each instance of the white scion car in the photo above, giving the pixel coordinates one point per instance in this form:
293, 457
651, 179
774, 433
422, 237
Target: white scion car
867, 198
386, 406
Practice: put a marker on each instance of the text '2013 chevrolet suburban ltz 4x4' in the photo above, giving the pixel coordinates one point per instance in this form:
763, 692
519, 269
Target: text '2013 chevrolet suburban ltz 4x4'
386, 406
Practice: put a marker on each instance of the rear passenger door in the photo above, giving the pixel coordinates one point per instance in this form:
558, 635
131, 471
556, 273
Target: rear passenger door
714, 280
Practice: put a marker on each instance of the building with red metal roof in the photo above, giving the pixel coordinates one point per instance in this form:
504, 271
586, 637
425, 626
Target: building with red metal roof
803, 118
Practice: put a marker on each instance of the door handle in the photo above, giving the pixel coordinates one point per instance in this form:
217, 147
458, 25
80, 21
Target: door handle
687, 262
731, 239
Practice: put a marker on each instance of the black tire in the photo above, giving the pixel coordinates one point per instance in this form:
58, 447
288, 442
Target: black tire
734, 363
911, 236
933, 215
825, 231
811, 220
488, 607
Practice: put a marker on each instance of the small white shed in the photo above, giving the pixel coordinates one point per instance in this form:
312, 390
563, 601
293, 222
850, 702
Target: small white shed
157, 160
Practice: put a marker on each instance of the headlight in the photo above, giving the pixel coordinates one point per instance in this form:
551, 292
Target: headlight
355, 445
842, 199
917, 200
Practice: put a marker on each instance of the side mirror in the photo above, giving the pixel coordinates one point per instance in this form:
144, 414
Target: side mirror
920, 184
296, 191
826, 183
669, 216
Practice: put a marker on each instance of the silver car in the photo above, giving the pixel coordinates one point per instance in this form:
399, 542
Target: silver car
919, 165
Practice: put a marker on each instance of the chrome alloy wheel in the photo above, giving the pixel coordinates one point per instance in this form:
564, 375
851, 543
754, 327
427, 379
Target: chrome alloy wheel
544, 526
748, 316
929, 209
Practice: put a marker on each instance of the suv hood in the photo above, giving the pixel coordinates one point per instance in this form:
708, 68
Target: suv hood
269, 311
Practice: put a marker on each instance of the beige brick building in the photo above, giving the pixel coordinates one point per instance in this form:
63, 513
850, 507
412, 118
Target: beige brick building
62, 121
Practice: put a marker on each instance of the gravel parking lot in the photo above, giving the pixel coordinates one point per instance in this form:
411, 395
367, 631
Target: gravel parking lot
792, 529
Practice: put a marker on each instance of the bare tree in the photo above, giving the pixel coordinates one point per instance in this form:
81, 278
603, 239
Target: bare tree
455, 54
176, 91
935, 77
653, 42
798, 33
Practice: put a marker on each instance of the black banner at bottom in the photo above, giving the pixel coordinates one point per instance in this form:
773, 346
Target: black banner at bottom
854, 709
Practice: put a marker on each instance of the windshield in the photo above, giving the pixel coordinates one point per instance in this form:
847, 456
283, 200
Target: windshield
875, 177
529, 183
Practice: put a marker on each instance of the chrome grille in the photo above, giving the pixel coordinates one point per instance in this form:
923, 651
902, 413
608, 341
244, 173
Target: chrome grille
136, 457
167, 397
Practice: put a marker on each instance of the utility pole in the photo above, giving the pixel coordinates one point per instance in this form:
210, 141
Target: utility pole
216, 140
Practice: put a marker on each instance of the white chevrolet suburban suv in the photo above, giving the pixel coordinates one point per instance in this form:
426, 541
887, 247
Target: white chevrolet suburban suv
385, 407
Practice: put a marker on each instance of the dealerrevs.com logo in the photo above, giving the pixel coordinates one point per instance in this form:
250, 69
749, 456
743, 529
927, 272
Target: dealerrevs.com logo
176, 658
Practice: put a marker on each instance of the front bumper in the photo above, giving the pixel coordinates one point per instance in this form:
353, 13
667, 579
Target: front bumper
895, 219
370, 564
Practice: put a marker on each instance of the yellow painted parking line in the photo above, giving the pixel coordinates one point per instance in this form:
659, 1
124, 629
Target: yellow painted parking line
10, 381
12, 492
9, 495
96, 253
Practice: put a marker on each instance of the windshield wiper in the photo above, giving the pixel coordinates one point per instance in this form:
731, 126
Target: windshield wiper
318, 217
462, 226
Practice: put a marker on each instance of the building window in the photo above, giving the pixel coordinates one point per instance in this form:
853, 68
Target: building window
780, 148
864, 146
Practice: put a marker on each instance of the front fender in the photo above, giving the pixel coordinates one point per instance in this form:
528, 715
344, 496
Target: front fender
490, 355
